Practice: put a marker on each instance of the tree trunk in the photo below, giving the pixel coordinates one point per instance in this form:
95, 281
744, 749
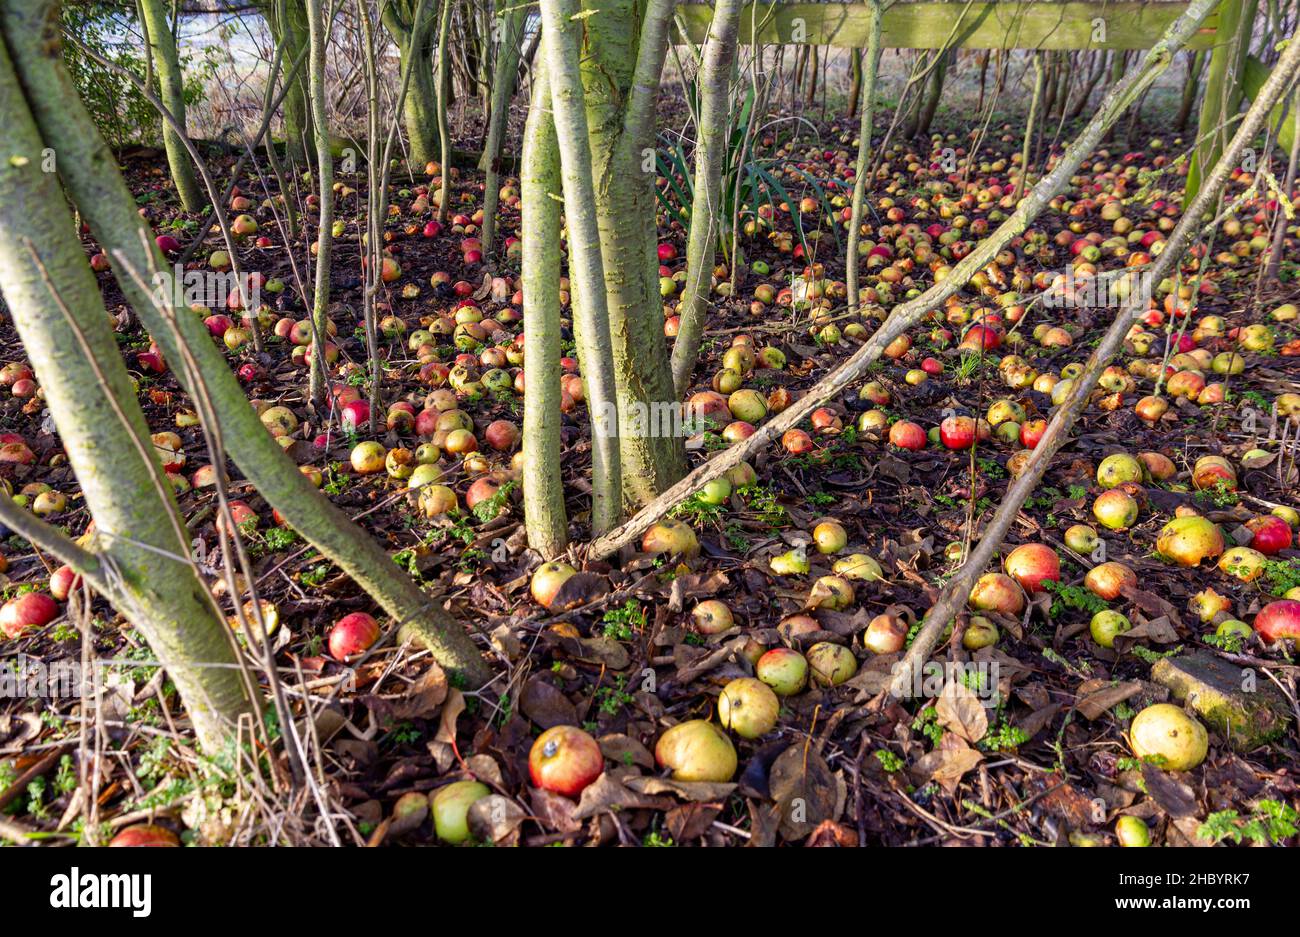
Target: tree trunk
714, 83
1224, 88
510, 29
60, 317
927, 111
863, 168
540, 190
855, 80
442, 85
288, 22
171, 82
560, 49
1026, 151
1195, 65
414, 37
620, 120
319, 33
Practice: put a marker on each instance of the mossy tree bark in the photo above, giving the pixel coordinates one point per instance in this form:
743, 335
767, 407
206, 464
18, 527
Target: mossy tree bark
624, 43
89, 172
863, 168
288, 23
318, 31
171, 87
60, 317
1224, 88
442, 87
586, 264
714, 83
507, 29
414, 37
540, 188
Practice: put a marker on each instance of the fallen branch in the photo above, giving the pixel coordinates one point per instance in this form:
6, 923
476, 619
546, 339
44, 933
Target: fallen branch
907, 315
958, 588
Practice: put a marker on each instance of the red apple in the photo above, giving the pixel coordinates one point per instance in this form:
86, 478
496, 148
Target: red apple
353, 634
1278, 620
547, 580
1271, 534
1031, 563
63, 581
145, 834
564, 760
907, 435
957, 432
27, 611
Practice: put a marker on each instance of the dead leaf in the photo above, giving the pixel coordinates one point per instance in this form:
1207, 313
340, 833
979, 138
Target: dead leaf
804, 787
961, 711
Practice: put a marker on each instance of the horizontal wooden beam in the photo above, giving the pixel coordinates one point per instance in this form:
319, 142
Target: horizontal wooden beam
979, 24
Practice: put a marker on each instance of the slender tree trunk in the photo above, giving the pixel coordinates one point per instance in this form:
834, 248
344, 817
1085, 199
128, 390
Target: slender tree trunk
88, 169
60, 316
855, 80
442, 84
414, 35
288, 22
319, 34
714, 82
171, 82
862, 171
1293, 164
540, 190
1026, 151
510, 29
1195, 65
586, 266
926, 112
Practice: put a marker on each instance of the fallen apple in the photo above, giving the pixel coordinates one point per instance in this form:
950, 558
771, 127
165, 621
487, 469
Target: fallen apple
1278, 620
1189, 540
697, 750
547, 580
450, 807
564, 760
831, 664
1169, 738
352, 634
784, 669
748, 707
1106, 625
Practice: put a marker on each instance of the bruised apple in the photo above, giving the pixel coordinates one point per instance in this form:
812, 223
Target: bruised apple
697, 750
1189, 540
564, 760
672, 537
748, 707
784, 669
547, 580
1108, 580
994, 592
831, 664
886, 634
712, 617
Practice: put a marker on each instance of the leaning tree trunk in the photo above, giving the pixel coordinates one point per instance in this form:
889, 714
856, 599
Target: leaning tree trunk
908, 314
88, 169
1195, 65
56, 306
540, 189
508, 32
622, 58
863, 168
1031, 123
714, 82
171, 82
318, 30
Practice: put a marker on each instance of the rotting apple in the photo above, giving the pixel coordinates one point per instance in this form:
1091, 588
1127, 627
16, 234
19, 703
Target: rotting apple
1270, 534
831, 664
1108, 580
547, 580
1115, 509
995, 592
712, 617
671, 537
885, 634
450, 807
1189, 540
